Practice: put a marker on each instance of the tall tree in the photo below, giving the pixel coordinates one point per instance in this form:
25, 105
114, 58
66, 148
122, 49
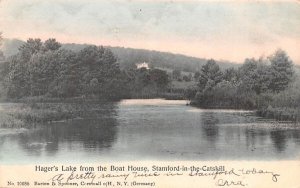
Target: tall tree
18, 78
210, 75
32, 46
160, 78
230, 74
255, 75
282, 71
51, 44
98, 63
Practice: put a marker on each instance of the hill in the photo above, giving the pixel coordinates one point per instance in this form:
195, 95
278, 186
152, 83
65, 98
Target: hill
10, 46
128, 57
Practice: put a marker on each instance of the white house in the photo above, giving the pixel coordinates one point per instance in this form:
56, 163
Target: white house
142, 65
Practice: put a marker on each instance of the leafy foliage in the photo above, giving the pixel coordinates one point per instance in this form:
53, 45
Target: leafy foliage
251, 86
281, 70
44, 69
210, 76
145, 83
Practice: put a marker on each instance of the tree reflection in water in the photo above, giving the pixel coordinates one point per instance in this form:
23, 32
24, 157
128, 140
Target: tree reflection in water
255, 137
150, 131
209, 127
278, 138
96, 130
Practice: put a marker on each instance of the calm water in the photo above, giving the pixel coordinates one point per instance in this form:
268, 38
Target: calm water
150, 130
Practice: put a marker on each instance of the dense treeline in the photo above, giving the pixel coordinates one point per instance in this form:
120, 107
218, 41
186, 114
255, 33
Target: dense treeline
147, 83
45, 69
267, 84
2, 67
128, 57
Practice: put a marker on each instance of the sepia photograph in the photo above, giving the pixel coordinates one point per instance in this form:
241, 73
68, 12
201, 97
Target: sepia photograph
86, 81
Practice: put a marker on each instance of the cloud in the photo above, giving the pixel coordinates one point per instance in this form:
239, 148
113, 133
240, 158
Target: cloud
200, 28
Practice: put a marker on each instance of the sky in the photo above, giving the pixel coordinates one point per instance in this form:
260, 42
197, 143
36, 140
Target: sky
223, 30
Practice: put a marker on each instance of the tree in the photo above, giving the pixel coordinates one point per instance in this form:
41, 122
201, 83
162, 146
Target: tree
17, 82
142, 78
190, 92
32, 46
249, 66
160, 78
196, 75
254, 75
45, 68
282, 71
98, 63
230, 74
65, 74
1, 53
190, 76
210, 75
186, 78
51, 44
176, 74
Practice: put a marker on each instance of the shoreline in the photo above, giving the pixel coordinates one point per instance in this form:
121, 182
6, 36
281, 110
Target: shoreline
43, 112
277, 114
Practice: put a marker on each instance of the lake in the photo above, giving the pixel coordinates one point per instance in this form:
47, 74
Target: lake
152, 129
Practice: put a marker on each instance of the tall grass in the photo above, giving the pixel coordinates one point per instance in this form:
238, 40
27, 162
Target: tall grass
9, 121
32, 113
284, 105
36, 113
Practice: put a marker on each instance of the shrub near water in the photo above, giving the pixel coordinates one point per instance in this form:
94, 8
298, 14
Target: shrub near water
266, 85
284, 105
8, 121
49, 112
35, 113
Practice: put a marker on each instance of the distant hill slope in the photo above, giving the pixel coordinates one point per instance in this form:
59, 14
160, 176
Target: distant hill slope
11, 46
128, 57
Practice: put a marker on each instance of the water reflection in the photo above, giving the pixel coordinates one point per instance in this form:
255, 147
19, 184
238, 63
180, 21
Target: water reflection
94, 131
209, 127
255, 137
90, 133
138, 130
279, 139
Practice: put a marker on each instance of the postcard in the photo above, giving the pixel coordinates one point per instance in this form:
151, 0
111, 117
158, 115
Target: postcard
149, 93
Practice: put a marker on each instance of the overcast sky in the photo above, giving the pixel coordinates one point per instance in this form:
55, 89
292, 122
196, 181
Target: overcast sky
212, 29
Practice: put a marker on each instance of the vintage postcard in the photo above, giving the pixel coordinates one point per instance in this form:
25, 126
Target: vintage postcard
149, 93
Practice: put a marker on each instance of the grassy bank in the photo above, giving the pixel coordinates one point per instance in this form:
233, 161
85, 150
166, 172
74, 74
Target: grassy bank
23, 115
284, 105
28, 114
41, 113
9, 121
